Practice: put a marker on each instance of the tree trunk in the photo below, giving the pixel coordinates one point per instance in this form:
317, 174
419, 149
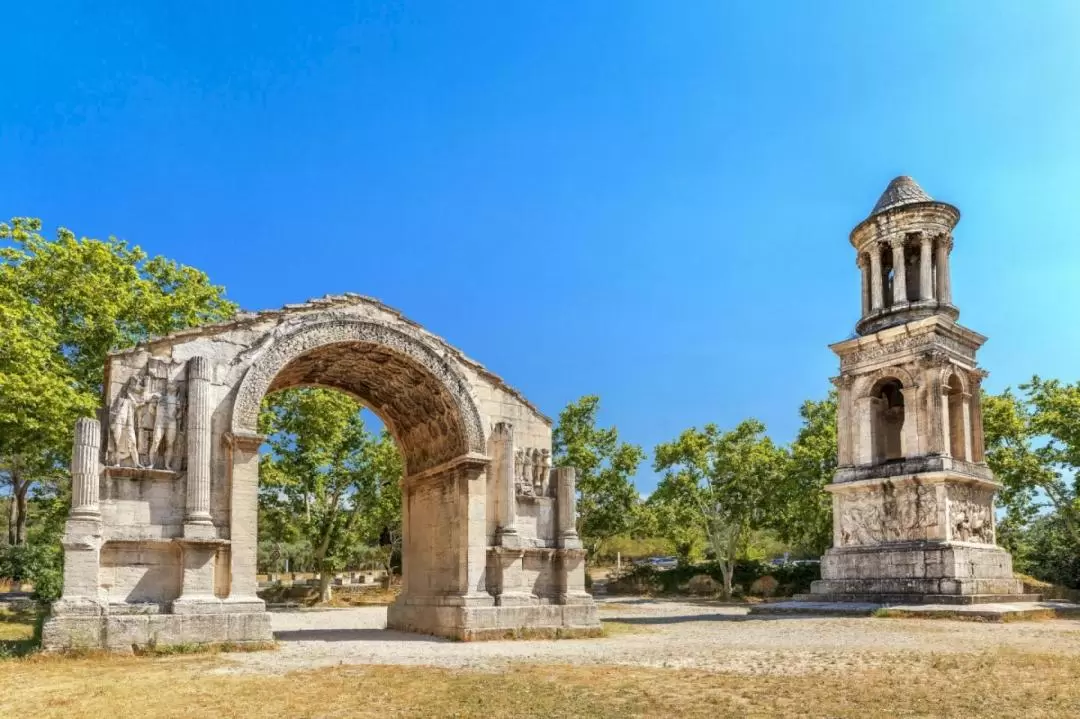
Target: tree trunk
325, 589
727, 568
20, 505
13, 520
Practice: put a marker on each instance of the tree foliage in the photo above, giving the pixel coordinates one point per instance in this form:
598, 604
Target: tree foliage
803, 517
729, 478
607, 498
326, 480
64, 303
1033, 448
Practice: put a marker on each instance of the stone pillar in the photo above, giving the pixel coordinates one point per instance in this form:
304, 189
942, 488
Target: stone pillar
243, 521
198, 442
502, 439
84, 469
899, 284
864, 268
864, 428
876, 296
978, 441
946, 438
944, 288
845, 453
909, 433
965, 412
470, 586
566, 501
926, 267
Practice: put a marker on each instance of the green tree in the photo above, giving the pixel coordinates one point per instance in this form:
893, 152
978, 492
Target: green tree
1033, 448
804, 516
730, 478
607, 498
65, 303
336, 481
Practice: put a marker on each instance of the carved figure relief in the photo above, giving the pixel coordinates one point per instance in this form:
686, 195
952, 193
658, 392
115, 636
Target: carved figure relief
971, 514
887, 514
532, 471
146, 421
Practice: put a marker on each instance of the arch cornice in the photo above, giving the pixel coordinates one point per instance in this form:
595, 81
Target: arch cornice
281, 351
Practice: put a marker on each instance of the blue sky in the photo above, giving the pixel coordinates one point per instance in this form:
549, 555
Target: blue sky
649, 201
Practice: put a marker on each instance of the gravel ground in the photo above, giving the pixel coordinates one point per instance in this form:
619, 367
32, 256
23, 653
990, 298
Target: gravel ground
673, 634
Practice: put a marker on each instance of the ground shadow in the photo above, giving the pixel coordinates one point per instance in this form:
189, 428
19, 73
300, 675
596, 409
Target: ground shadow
681, 619
353, 635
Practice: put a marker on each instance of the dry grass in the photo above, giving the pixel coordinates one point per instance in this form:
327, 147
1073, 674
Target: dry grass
993, 684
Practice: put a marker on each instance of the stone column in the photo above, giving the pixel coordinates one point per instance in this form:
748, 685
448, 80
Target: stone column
899, 284
198, 442
944, 288
965, 414
243, 459
502, 440
926, 267
84, 469
876, 296
978, 441
566, 500
864, 268
864, 428
844, 450
909, 433
946, 427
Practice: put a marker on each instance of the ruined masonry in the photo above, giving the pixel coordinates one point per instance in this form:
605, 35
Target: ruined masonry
913, 498
160, 545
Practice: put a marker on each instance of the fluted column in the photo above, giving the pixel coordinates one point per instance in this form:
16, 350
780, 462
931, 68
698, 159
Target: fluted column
944, 288
926, 267
502, 438
899, 284
876, 296
84, 469
864, 268
565, 478
965, 424
198, 441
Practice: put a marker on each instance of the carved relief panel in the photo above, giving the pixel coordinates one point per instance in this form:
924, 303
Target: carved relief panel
887, 513
146, 419
971, 514
532, 472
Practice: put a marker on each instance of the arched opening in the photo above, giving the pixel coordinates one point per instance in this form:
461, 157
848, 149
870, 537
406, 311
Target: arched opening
425, 405
329, 497
958, 416
887, 420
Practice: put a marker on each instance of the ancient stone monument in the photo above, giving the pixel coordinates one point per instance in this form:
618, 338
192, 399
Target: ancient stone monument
160, 546
913, 499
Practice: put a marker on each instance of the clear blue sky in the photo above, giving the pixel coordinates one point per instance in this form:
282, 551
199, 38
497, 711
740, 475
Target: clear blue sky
649, 201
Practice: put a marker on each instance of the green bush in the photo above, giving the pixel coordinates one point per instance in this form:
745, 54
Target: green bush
39, 564
793, 579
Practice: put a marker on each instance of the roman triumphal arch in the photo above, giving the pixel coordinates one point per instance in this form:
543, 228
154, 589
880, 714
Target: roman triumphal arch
160, 546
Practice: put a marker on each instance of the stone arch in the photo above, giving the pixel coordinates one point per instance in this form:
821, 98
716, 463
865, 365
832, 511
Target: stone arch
422, 397
884, 416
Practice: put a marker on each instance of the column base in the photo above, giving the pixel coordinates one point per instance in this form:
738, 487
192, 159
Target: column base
473, 623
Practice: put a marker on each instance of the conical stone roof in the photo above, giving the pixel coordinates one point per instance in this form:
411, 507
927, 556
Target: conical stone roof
901, 191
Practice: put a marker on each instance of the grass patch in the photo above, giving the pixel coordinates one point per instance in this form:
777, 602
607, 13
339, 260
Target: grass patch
216, 648
18, 633
987, 684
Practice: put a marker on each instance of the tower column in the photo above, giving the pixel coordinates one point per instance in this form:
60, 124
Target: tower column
944, 289
926, 267
864, 266
899, 284
876, 297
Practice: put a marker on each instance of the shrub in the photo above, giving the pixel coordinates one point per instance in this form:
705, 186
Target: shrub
39, 564
791, 579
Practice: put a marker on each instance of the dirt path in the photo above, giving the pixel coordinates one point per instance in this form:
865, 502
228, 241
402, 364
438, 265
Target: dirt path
659, 633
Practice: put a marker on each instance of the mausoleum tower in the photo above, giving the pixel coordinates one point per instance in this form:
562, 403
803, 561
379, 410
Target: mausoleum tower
913, 498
